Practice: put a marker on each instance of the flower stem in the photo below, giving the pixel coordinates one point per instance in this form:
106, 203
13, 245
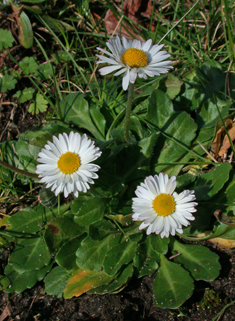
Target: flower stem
128, 114
17, 170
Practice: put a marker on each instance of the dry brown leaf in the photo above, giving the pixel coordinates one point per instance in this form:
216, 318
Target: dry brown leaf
226, 143
217, 142
5, 314
135, 10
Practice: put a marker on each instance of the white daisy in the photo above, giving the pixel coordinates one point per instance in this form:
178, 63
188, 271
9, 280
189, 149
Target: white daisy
161, 209
66, 164
133, 58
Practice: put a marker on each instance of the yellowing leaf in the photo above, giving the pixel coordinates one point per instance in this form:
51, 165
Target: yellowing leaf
82, 281
223, 243
25, 31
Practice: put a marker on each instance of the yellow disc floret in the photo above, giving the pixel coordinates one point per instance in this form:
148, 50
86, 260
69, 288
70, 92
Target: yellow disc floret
164, 204
134, 58
68, 163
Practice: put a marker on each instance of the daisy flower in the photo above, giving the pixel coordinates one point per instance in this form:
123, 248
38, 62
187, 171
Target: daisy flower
134, 58
161, 209
66, 164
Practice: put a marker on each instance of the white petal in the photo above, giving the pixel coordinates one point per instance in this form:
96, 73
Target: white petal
108, 60
109, 69
133, 75
146, 46
120, 72
126, 80
155, 49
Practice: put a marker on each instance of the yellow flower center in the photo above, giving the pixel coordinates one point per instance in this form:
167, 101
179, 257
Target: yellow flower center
134, 58
164, 204
68, 163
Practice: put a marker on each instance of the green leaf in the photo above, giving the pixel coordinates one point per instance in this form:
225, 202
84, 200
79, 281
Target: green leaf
25, 31
25, 280
134, 125
178, 131
7, 82
4, 282
101, 228
40, 105
210, 78
88, 210
119, 255
56, 281
20, 281
229, 232
75, 109
198, 260
66, 257
45, 71
182, 130
173, 86
47, 198
188, 100
172, 286
160, 108
27, 161
98, 118
30, 254
82, 281
28, 65
185, 180
62, 56
229, 194
24, 96
6, 39
31, 220
158, 244
117, 285
90, 255
60, 230
209, 184
31, 142
146, 259
209, 115
57, 26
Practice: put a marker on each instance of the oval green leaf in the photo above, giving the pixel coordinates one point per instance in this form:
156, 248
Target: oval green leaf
90, 255
30, 254
118, 256
198, 260
66, 257
172, 286
56, 281
88, 210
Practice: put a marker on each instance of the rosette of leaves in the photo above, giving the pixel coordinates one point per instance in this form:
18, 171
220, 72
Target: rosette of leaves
93, 240
98, 248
